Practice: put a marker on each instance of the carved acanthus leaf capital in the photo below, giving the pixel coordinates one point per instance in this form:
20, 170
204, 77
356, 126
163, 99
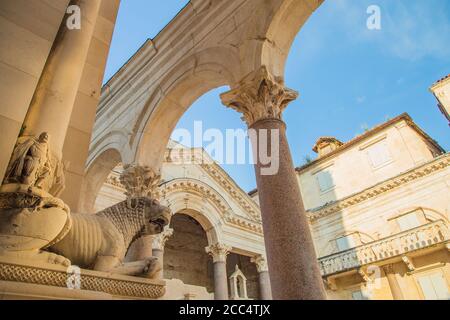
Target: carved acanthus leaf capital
159, 241
218, 251
140, 181
261, 263
259, 96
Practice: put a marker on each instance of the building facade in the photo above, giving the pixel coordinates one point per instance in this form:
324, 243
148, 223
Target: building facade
378, 208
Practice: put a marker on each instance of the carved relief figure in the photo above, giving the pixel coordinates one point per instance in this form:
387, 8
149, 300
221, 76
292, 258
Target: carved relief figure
30, 161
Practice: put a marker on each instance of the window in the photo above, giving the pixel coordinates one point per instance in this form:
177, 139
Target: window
434, 287
408, 221
358, 295
345, 243
379, 154
325, 180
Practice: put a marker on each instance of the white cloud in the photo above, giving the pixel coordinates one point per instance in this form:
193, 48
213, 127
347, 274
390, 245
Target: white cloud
411, 29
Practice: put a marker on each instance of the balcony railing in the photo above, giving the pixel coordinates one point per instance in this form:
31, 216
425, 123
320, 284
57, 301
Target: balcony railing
397, 245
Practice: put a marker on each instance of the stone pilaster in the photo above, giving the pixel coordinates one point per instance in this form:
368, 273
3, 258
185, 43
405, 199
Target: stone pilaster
265, 291
397, 293
219, 252
294, 270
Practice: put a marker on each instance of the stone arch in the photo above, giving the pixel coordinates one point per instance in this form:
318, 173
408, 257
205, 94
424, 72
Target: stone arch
96, 174
199, 201
271, 33
178, 90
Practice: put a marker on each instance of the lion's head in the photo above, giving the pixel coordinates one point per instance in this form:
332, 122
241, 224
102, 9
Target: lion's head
157, 217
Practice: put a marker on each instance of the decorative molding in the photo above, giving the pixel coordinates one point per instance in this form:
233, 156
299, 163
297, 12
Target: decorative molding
191, 185
159, 241
139, 181
93, 281
218, 251
393, 247
246, 203
259, 96
261, 263
409, 263
381, 188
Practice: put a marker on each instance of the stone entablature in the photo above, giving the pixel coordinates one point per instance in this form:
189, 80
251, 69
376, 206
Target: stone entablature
433, 166
396, 246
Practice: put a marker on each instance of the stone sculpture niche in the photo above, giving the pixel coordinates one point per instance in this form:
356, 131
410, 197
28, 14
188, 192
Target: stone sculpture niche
37, 227
238, 285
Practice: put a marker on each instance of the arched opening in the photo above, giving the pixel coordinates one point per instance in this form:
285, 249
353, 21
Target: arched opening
96, 176
189, 80
185, 257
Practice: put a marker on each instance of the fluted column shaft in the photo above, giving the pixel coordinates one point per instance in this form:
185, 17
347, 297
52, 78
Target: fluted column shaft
292, 261
51, 107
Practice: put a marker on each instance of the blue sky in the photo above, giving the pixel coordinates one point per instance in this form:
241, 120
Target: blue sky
349, 78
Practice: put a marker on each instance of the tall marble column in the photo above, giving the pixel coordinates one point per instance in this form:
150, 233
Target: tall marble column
159, 243
51, 107
219, 254
293, 266
265, 291
393, 282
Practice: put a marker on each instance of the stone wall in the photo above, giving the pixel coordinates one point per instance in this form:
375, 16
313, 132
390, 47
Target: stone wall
185, 257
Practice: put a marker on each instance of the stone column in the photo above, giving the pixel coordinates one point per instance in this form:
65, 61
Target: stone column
219, 253
293, 266
159, 243
51, 107
265, 291
393, 283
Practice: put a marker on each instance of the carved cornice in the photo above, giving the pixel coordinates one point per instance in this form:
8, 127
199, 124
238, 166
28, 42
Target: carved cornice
259, 96
194, 186
261, 263
381, 188
90, 280
244, 201
218, 251
198, 156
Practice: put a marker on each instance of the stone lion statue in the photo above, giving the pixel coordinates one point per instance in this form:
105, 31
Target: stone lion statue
100, 241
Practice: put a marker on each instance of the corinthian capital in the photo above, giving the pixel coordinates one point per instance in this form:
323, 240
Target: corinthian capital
159, 242
259, 96
261, 263
218, 251
140, 181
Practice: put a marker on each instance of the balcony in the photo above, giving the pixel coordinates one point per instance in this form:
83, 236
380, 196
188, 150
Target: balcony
400, 244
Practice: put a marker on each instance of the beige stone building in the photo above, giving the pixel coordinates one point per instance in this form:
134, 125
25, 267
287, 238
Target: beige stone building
441, 90
378, 207
372, 218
